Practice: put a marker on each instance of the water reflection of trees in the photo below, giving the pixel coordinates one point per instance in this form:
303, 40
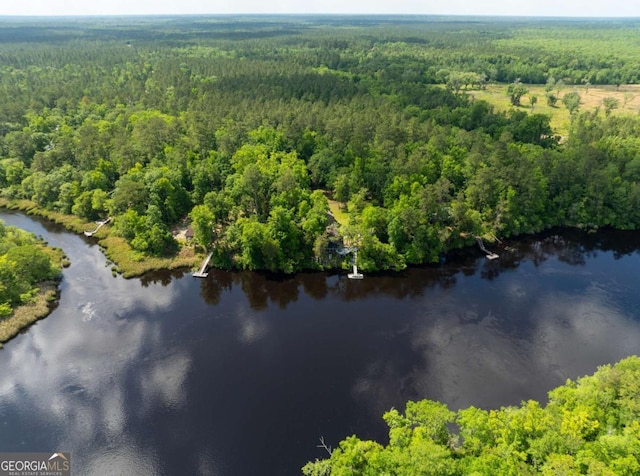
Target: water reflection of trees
259, 288
262, 288
569, 246
213, 285
572, 247
162, 277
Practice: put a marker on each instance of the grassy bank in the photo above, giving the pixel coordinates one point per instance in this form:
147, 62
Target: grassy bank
25, 315
132, 263
70, 222
127, 261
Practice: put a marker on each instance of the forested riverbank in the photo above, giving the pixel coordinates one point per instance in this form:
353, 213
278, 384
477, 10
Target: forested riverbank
589, 426
238, 364
247, 125
29, 271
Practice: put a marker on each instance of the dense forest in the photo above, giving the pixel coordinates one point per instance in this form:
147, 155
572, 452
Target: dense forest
263, 130
591, 426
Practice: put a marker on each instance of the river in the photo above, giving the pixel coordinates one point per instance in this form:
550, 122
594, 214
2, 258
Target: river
241, 373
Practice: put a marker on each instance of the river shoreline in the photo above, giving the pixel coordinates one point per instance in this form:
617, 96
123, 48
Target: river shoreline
26, 315
131, 264
250, 369
126, 261
42, 303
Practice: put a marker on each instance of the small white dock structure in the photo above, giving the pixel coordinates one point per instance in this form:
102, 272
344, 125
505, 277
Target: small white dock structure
201, 273
490, 255
355, 274
100, 224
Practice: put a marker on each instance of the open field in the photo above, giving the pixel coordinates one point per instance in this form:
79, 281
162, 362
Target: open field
338, 212
591, 97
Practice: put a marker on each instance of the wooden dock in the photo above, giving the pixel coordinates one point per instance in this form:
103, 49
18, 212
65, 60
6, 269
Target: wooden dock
100, 225
201, 273
490, 255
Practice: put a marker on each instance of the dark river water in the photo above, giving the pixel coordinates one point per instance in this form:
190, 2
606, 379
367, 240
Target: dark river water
241, 373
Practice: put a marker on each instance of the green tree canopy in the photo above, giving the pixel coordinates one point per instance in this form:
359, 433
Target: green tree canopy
24, 264
589, 426
572, 101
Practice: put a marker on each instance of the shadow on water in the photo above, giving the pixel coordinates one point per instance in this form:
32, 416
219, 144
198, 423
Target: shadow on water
572, 247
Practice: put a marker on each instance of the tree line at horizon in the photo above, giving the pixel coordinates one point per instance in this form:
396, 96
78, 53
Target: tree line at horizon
247, 128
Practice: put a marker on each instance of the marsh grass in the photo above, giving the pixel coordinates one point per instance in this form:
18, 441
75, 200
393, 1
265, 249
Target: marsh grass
40, 305
58, 257
23, 316
131, 263
70, 222
127, 261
